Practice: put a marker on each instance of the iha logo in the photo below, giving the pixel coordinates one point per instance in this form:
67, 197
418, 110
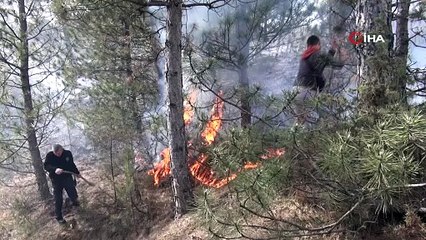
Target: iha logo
357, 38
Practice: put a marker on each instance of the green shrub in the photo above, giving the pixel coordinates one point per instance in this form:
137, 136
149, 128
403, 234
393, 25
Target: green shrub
23, 208
253, 191
380, 160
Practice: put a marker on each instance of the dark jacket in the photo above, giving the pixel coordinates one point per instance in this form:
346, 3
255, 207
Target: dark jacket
311, 69
65, 162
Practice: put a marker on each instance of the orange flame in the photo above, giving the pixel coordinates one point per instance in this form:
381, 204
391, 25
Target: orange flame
188, 112
273, 152
212, 128
251, 165
162, 169
200, 169
204, 174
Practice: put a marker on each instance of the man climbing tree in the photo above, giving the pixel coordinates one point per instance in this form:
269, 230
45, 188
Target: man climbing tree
310, 80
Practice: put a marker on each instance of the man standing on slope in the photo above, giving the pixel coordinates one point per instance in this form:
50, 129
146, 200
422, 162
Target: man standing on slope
310, 80
58, 161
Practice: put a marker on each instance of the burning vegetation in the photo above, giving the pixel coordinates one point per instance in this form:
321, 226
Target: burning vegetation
199, 167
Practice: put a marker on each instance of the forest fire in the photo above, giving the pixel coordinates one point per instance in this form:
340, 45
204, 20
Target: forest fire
272, 152
205, 175
161, 169
251, 165
200, 169
213, 126
188, 108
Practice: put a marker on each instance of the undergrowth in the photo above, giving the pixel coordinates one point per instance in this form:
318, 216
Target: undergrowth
356, 173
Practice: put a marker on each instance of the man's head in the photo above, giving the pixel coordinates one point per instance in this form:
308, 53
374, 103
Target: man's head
314, 41
58, 150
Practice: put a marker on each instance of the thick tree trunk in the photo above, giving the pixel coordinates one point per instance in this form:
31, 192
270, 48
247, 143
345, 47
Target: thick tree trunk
336, 80
181, 183
377, 68
36, 159
401, 51
243, 43
338, 28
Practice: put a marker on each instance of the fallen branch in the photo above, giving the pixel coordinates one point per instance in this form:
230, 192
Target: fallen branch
79, 176
414, 185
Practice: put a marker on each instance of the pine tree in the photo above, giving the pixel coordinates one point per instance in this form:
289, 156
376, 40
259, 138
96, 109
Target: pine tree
112, 53
31, 53
248, 31
382, 77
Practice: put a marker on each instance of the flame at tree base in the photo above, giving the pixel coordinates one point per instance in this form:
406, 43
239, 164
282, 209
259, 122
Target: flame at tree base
200, 169
162, 169
205, 175
201, 172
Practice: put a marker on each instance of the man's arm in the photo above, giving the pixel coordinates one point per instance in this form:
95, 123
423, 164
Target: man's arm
335, 63
320, 60
48, 165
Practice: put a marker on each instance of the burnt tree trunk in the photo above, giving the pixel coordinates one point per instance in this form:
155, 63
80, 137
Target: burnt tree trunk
377, 67
338, 28
336, 80
29, 116
181, 184
243, 44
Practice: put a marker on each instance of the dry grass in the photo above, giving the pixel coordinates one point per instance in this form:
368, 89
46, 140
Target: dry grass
285, 211
23, 217
187, 227
100, 217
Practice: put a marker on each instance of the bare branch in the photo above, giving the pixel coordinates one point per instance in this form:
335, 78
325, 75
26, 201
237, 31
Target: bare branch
9, 27
209, 5
40, 30
415, 44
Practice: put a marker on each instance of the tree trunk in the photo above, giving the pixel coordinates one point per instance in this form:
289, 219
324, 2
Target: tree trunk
157, 55
245, 95
36, 159
401, 51
377, 68
181, 184
132, 91
336, 80
243, 44
338, 28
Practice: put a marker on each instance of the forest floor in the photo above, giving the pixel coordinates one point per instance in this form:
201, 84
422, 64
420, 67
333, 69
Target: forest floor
100, 217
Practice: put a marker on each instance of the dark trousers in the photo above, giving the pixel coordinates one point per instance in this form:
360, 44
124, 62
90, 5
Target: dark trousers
59, 185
